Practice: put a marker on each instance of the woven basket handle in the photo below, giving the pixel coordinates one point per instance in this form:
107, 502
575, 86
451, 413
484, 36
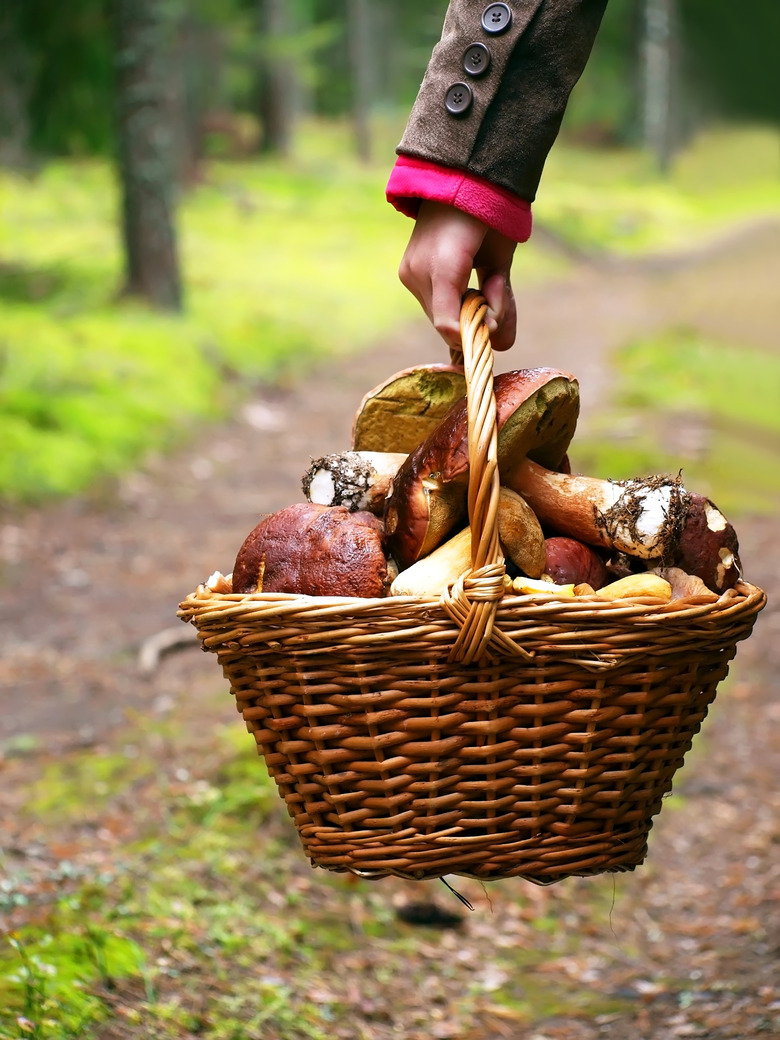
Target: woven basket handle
473, 600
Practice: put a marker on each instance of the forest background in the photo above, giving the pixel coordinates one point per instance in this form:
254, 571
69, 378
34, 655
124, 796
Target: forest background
224, 163
192, 219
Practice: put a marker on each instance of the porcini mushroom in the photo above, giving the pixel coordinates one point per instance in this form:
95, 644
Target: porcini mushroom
643, 518
536, 414
314, 550
520, 534
400, 412
653, 519
355, 479
568, 560
708, 546
430, 576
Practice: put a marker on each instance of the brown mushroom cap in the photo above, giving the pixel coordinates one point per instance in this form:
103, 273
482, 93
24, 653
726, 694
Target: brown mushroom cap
314, 550
568, 560
536, 415
708, 546
399, 413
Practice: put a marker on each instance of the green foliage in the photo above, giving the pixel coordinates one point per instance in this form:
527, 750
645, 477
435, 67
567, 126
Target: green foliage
733, 61
89, 383
683, 371
71, 89
602, 107
86, 395
68, 64
48, 972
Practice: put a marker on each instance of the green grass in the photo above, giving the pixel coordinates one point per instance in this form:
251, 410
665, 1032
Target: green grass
204, 918
48, 974
615, 200
731, 393
283, 262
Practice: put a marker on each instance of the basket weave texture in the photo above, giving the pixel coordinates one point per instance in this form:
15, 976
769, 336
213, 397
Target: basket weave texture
482, 734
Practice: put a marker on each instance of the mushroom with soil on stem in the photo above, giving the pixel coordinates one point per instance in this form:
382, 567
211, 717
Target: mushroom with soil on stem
654, 519
357, 480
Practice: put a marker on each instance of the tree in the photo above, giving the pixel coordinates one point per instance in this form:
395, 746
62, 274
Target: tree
145, 144
15, 78
276, 79
659, 79
360, 42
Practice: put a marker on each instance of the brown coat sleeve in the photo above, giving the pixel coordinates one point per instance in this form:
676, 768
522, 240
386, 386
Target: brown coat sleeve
511, 110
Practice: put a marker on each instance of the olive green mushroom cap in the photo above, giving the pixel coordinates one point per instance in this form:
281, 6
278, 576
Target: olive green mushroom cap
400, 412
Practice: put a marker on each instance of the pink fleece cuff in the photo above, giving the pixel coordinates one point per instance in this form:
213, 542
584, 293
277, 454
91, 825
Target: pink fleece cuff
413, 180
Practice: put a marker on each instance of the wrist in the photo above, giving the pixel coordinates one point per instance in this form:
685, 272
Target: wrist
414, 180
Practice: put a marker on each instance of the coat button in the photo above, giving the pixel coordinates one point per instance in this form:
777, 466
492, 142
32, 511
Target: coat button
496, 18
476, 60
458, 99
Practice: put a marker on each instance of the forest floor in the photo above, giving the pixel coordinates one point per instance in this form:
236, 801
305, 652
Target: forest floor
687, 946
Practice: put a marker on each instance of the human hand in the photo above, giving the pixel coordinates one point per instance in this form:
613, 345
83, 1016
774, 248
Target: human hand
446, 245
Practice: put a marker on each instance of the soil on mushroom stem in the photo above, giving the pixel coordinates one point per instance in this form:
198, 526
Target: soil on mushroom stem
686, 947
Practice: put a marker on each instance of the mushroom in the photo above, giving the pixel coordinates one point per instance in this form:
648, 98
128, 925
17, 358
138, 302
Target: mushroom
642, 518
400, 412
314, 550
430, 576
708, 546
653, 519
646, 585
355, 479
569, 560
536, 414
520, 534
686, 586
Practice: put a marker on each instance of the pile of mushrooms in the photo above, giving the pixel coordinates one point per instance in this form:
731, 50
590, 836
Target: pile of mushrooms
389, 516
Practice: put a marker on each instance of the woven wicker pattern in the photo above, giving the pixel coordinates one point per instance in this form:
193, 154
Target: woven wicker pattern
392, 760
483, 734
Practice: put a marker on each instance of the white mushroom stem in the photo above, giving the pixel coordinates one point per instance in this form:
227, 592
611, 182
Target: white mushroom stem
359, 480
643, 518
430, 576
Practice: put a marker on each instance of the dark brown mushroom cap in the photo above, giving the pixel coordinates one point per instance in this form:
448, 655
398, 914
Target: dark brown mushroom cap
400, 412
569, 561
536, 415
314, 550
708, 547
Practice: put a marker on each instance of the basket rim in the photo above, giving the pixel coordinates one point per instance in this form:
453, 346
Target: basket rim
595, 635
744, 594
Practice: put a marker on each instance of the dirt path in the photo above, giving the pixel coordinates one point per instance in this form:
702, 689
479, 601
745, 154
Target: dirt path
84, 583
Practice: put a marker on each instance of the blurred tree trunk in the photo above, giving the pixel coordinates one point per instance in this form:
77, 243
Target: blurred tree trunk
15, 78
360, 43
189, 67
146, 144
659, 88
276, 78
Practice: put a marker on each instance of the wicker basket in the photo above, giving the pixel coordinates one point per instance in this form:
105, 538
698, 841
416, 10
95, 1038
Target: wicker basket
485, 735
